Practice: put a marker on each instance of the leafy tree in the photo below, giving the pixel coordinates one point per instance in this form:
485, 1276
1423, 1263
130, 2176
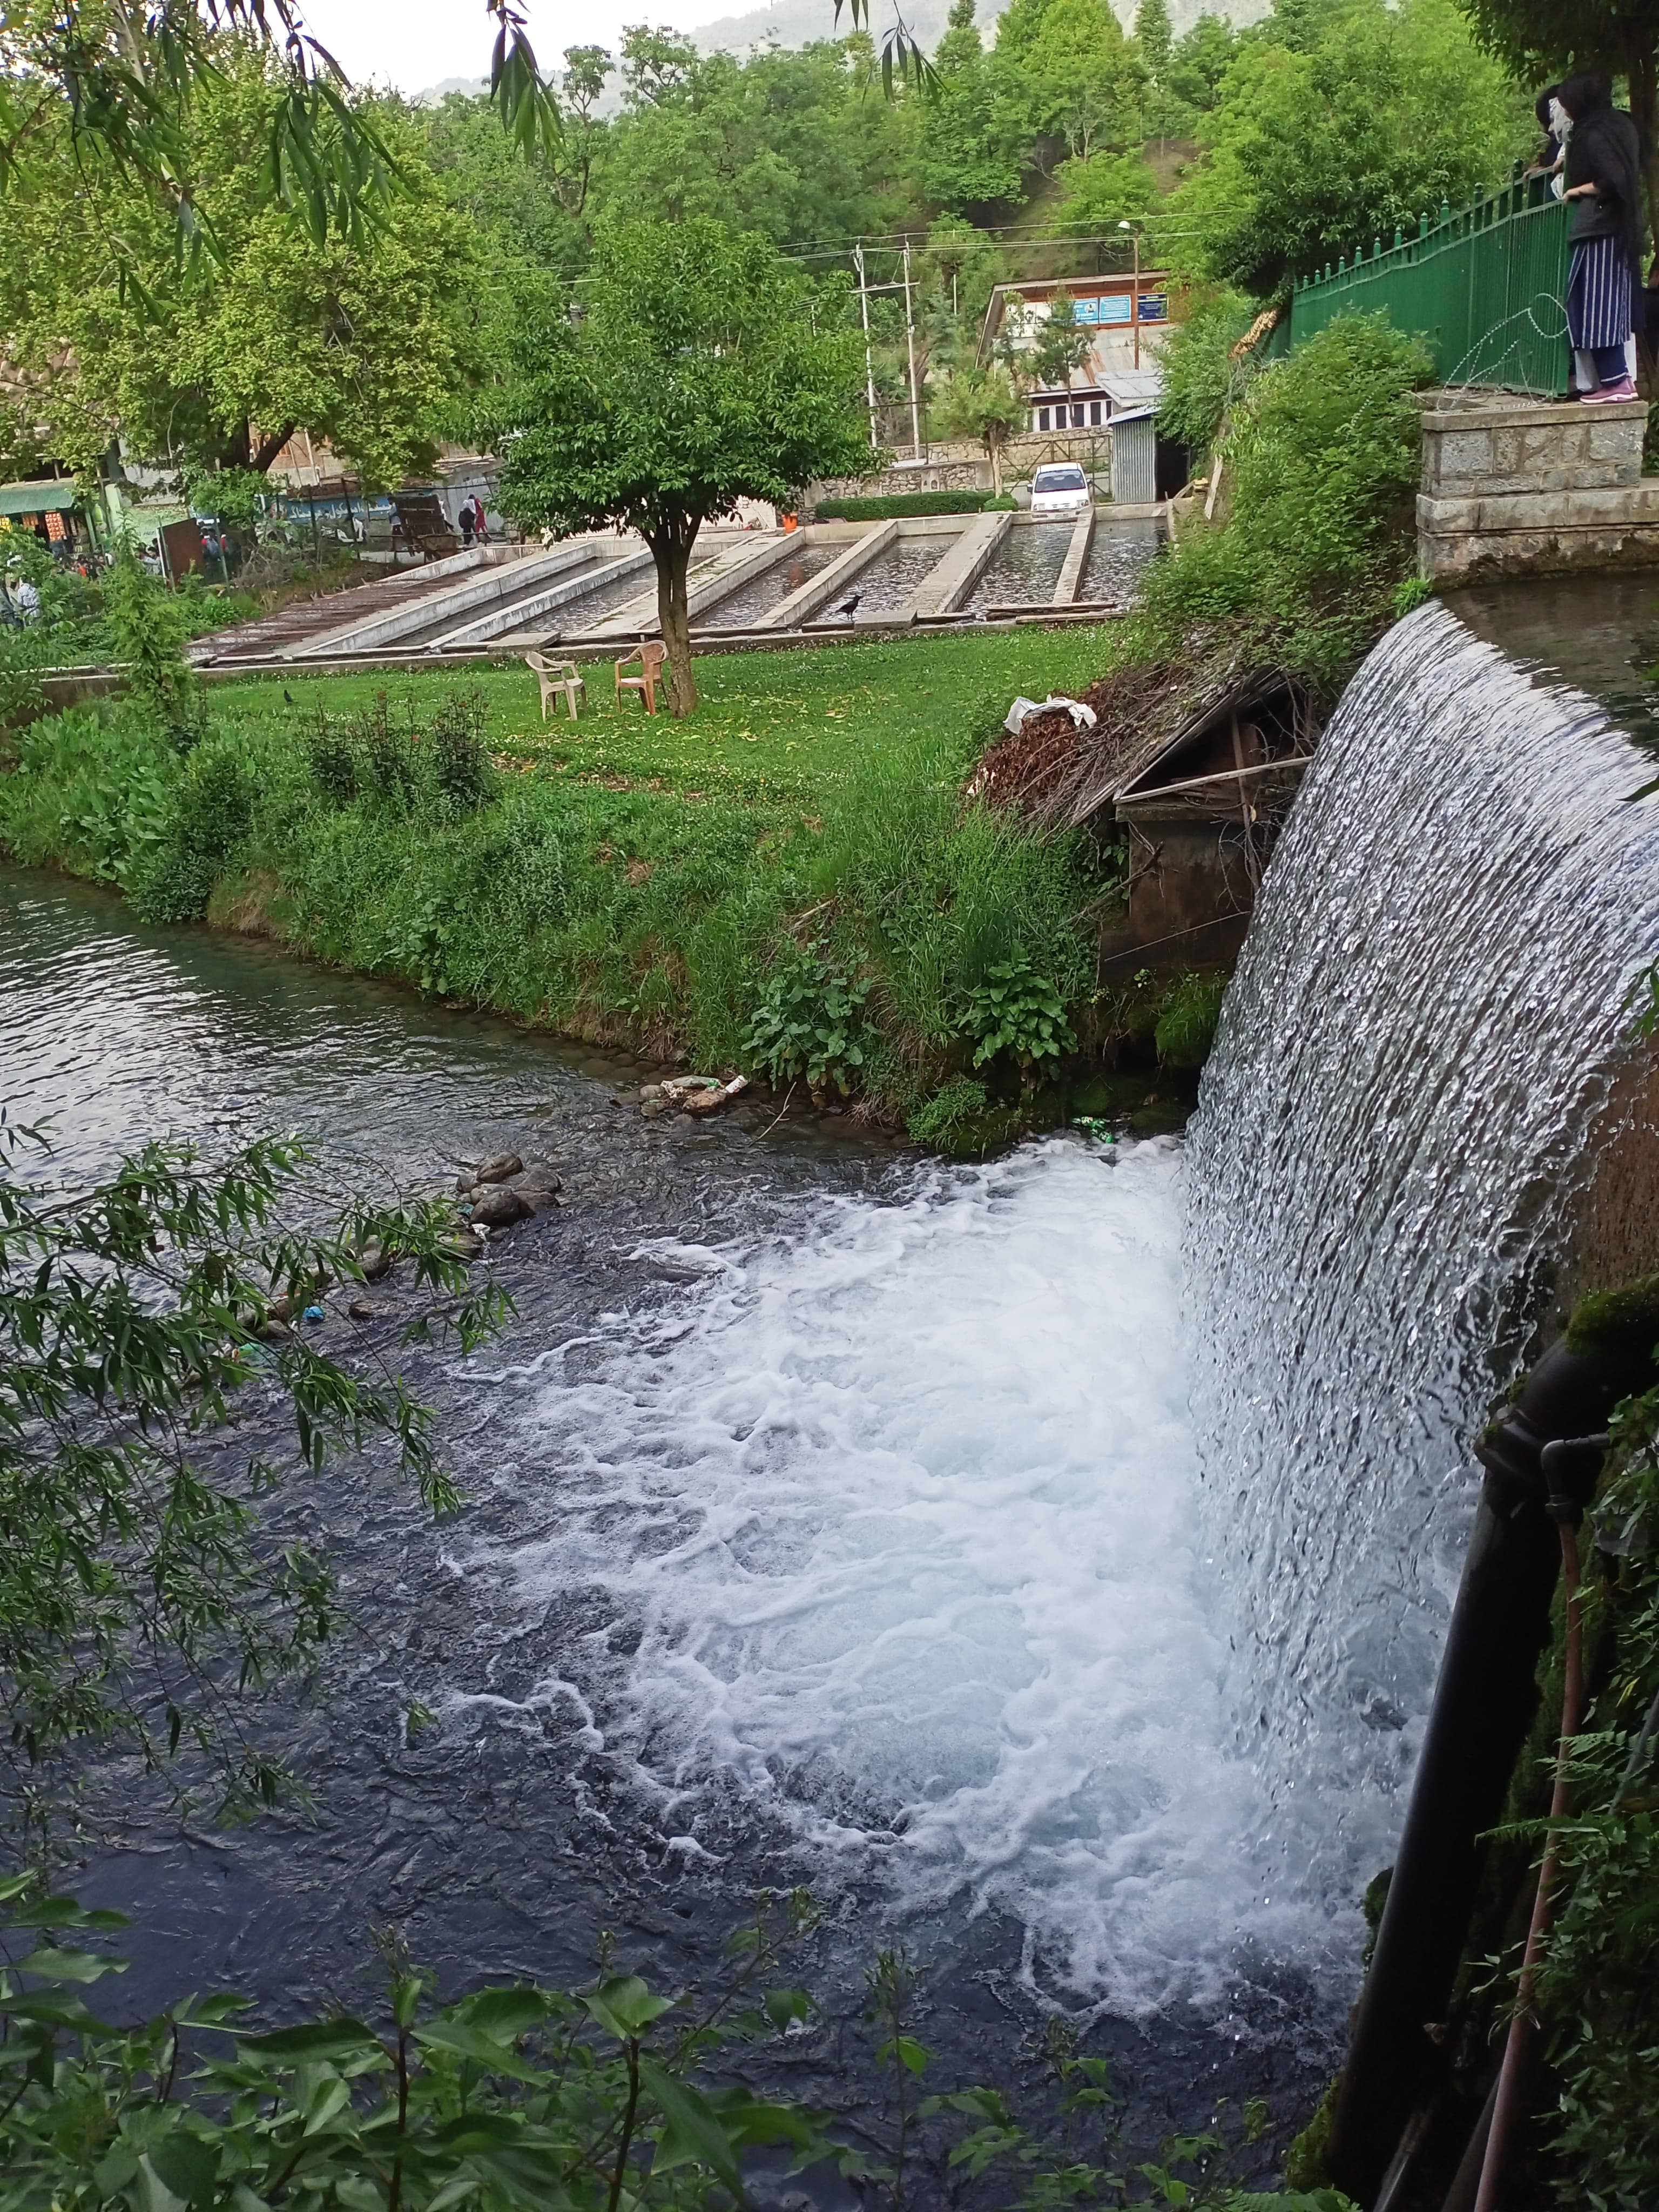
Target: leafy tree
1154, 38
786, 143
1061, 345
1199, 62
702, 371
139, 1600
1541, 39
1102, 191
1200, 377
366, 343
985, 405
586, 68
146, 632
125, 79
525, 211
1071, 71
970, 152
1318, 149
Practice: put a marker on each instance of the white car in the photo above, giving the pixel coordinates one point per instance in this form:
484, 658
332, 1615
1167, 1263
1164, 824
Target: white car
1059, 489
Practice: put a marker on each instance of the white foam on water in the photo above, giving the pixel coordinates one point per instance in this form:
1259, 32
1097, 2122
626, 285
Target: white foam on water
902, 1504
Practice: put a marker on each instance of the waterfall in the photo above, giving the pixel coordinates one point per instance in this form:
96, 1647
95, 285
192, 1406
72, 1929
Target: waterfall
1419, 1055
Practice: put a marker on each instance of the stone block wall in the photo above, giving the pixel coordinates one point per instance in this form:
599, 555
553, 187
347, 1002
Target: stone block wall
1518, 486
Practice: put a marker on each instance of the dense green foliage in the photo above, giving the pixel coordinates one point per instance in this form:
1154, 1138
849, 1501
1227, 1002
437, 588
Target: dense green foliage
1599, 2124
1317, 533
372, 342
624, 879
1361, 117
139, 1315
1244, 156
1201, 377
885, 507
521, 2099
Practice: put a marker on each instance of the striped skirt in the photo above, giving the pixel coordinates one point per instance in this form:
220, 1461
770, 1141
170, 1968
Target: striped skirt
1598, 293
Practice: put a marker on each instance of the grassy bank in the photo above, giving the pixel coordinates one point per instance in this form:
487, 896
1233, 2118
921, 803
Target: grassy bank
798, 852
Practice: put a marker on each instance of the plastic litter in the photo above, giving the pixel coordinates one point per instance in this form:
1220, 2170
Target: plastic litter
1083, 718
1092, 1126
314, 1313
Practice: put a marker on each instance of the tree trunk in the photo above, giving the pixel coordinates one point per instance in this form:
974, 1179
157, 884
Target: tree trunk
672, 551
995, 451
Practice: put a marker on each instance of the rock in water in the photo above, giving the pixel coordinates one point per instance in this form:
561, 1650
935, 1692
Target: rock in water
498, 1207
498, 1170
538, 1185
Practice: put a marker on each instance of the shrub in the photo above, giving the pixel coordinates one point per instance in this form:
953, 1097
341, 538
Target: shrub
388, 760
332, 758
886, 506
1200, 377
810, 1023
147, 631
1017, 1011
1187, 1021
460, 766
1323, 462
212, 814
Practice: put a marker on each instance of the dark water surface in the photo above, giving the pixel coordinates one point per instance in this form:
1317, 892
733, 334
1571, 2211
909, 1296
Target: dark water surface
566, 1630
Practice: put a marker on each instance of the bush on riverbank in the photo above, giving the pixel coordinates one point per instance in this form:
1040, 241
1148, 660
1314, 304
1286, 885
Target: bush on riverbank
521, 2098
621, 879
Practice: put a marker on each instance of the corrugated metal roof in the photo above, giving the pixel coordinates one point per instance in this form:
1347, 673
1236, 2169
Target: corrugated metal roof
1133, 387
46, 495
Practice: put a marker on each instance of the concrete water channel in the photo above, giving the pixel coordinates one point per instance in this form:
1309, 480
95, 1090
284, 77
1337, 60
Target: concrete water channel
596, 593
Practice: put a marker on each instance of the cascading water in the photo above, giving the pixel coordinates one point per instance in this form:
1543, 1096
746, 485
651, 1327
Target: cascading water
1417, 1054
841, 1516
894, 1523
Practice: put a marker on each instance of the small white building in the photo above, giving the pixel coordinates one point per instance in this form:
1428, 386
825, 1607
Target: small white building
1125, 317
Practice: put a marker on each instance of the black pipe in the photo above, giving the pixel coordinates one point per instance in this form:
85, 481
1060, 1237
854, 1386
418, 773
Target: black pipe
1483, 1707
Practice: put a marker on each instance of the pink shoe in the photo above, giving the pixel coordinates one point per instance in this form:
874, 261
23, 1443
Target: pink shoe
1623, 390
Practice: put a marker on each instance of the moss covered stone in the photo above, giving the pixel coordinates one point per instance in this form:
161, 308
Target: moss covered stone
1620, 1325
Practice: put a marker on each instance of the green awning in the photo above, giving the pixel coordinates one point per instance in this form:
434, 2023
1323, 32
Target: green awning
43, 498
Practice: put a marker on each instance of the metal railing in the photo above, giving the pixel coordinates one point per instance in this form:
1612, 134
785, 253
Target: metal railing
1485, 287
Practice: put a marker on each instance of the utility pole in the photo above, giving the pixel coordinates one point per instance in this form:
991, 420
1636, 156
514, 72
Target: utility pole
910, 344
869, 364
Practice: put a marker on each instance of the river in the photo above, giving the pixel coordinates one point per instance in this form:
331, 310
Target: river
829, 1518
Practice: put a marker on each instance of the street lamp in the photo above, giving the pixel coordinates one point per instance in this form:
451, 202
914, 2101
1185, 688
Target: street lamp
1134, 299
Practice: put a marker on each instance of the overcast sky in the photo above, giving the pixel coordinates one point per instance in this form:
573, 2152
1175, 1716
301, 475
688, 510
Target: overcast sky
413, 44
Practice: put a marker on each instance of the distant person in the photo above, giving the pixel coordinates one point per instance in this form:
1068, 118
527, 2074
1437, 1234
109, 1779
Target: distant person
480, 520
26, 599
1604, 188
468, 526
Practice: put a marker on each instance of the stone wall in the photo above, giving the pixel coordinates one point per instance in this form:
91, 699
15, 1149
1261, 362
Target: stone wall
1521, 487
960, 467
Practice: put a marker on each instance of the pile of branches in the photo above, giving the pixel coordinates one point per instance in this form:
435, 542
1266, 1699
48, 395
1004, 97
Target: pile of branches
1057, 775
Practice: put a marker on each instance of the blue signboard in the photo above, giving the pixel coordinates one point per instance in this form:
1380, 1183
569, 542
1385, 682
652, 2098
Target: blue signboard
1154, 308
1109, 308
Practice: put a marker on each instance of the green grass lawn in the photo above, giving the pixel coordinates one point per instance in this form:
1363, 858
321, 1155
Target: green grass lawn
770, 726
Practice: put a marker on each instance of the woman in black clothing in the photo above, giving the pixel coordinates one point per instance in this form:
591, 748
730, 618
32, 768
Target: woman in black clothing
1603, 187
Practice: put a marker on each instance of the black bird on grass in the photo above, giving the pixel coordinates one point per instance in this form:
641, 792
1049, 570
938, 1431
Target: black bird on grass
288, 694
848, 605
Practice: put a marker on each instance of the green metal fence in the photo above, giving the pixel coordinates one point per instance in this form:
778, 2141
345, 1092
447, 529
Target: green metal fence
1486, 288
